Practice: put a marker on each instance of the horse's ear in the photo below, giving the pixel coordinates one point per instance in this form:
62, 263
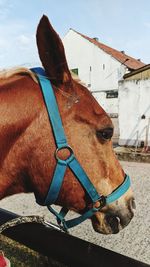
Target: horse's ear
52, 54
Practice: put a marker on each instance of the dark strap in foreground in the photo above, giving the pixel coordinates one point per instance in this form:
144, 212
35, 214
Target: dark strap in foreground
68, 250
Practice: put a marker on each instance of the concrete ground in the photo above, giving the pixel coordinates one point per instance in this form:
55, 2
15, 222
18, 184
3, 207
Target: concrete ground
133, 241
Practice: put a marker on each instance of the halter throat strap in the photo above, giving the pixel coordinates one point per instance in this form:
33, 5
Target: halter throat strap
71, 162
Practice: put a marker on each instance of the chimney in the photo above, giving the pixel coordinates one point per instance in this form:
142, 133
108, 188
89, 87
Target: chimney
96, 39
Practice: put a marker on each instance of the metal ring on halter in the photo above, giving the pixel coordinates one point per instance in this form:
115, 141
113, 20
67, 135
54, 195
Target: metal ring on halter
102, 203
60, 149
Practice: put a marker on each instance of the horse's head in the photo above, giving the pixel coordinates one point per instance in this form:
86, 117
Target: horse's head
27, 150
89, 130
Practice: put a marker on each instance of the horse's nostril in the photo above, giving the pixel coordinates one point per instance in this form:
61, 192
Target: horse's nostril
132, 204
118, 219
113, 222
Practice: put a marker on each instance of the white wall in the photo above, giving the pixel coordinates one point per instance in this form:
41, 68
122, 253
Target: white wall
105, 70
110, 105
134, 101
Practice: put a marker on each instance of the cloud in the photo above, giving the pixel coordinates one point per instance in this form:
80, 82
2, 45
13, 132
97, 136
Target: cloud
3, 43
24, 41
147, 24
16, 46
5, 9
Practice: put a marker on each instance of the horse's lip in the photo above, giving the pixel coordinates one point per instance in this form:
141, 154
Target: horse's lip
111, 225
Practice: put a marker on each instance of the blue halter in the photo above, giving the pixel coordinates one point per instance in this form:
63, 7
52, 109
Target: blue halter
71, 162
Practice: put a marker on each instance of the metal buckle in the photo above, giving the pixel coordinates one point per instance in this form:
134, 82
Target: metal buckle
102, 203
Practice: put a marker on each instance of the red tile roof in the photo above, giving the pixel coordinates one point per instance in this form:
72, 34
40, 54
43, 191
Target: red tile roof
130, 62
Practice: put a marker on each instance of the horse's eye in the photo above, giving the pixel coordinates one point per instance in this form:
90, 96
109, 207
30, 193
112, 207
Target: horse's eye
105, 134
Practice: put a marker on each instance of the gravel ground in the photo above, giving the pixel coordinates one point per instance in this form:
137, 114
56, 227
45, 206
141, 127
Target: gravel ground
133, 241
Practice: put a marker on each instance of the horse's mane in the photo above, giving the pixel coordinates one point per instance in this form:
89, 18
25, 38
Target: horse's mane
8, 73
76, 78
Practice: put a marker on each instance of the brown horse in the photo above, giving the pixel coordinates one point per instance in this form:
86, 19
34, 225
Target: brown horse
27, 144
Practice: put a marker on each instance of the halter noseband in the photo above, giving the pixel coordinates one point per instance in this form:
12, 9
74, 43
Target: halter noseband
71, 162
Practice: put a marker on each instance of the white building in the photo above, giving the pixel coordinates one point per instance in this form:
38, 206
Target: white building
134, 108
99, 67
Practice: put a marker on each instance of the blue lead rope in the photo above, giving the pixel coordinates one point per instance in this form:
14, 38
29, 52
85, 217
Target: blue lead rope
71, 162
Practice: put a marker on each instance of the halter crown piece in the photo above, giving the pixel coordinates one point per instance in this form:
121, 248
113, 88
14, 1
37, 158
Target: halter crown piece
71, 162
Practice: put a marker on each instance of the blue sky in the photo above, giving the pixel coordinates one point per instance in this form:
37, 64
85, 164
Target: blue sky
121, 24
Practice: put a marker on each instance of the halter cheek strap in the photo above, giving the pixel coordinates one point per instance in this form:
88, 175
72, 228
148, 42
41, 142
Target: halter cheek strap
71, 162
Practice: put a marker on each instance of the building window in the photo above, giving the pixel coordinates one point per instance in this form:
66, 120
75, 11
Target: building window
75, 71
103, 66
111, 94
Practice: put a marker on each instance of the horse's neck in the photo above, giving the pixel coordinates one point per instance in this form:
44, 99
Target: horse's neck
20, 103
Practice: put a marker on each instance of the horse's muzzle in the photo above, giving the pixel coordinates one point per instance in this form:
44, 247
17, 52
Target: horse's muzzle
122, 218
115, 220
